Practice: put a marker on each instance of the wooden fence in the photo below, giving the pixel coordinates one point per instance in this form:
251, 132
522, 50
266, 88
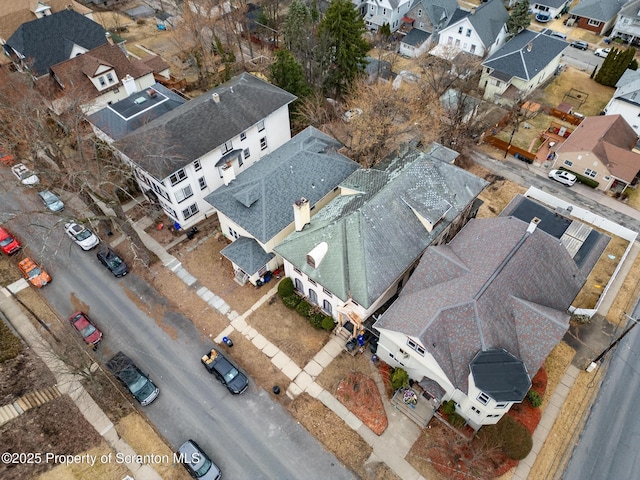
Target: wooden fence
567, 117
517, 152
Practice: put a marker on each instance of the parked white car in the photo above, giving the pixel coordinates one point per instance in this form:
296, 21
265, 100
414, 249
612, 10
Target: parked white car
26, 176
563, 177
81, 235
602, 52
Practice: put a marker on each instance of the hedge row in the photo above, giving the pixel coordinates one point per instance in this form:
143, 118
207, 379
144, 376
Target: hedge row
305, 309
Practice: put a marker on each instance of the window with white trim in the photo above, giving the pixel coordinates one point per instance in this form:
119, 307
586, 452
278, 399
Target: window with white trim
297, 283
169, 210
313, 282
110, 78
177, 177
468, 32
246, 153
460, 29
183, 193
160, 191
197, 165
327, 307
190, 211
243, 136
261, 125
594, 23
297, 270
263, 143
477, 412
313, 296
102, 82
568, 163
327, 293
202, 182
502, 405
413, 345
590, 173
227, 147
483, 398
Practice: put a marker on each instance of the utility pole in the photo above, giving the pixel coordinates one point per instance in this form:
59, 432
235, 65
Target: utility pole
595, 361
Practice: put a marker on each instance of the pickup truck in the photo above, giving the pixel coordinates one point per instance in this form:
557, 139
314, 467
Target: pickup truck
225, 371
138, 383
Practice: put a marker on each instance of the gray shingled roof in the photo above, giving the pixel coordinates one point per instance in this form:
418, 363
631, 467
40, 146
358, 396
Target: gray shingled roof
374, 236
628, 87
126, 116
488, 19
416, 37
261, 198
492, 287
525, 55
49, 40
440, 12
190, 131
603, 10
247, 254
631, 9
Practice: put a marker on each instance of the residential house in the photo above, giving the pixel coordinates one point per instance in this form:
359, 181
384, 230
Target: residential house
480, 315
376, 13
520, 66
102, 76
481, 32
360, 249
553, 8
597, 16
626, 99
627, 26
423, 23
119, 119
602, 148
262, 205
16, 12
39, 44
185, 154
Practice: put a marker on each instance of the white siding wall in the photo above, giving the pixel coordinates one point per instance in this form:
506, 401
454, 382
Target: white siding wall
453, 37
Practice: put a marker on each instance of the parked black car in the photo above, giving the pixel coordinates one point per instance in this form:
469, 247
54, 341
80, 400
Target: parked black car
225, 371
113, 262
134, 379
198, 463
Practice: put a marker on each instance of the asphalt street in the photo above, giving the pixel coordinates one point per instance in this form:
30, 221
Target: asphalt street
248, 436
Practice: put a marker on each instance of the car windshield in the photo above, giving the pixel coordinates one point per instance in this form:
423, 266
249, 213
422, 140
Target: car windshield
87, 331
230, 375
114, 262
6, 241
34, 272
206, 466
138, 385
83, 234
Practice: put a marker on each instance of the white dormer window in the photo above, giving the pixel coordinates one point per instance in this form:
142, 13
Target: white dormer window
110, 78
102, 81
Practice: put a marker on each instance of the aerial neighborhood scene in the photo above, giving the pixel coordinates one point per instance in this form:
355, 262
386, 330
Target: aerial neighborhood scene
319, 239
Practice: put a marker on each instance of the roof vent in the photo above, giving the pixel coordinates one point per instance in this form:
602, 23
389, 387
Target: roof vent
139, 100
216, 97
529, 46
534, 223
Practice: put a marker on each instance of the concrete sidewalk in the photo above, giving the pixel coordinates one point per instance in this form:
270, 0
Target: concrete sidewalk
69, 384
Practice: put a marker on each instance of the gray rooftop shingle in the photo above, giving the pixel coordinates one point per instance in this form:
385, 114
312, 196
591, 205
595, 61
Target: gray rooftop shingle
603, 10
494, 286
201, 125
488, 19
50, 40
261, 198
525, 55
247, 254
374, 235
126, 116
416, 37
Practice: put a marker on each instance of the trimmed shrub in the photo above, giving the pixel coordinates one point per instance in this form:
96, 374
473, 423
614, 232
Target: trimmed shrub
291, 301
399, 378
10, 345
303, 308
327, 323
316, 319
534, 398
285, 287
513, 437
449, 407
457, 420
588, 181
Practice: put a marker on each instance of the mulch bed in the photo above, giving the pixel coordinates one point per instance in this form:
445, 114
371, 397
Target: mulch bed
360, 395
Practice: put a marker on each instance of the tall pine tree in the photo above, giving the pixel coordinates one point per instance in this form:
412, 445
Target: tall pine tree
519, 19
614, 66
342, 46
287, 74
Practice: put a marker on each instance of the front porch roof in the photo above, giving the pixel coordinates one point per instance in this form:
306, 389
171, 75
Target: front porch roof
247, 254
500, 375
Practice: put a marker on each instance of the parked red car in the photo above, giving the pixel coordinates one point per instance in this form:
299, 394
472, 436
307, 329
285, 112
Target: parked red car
90, 333
8, 243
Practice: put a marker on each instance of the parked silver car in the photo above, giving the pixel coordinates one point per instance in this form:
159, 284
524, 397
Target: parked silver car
563, 177
51, 201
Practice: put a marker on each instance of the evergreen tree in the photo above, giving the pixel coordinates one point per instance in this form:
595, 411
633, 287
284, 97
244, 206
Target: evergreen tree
342, 48
300, 36
288, 74
614, 66
519, 18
